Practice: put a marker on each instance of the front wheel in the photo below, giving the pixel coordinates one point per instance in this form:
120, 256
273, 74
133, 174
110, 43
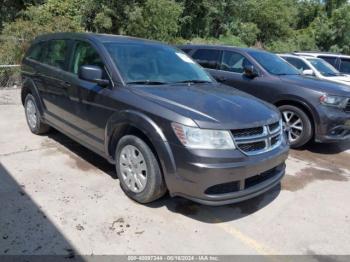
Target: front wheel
297, 125
138, 170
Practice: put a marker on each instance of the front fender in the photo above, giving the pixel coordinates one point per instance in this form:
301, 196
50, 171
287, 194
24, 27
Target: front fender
149, 128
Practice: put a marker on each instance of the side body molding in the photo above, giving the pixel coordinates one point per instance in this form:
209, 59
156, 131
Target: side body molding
149, 128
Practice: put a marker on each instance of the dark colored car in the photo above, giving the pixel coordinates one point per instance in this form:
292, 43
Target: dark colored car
311, 108
158, 116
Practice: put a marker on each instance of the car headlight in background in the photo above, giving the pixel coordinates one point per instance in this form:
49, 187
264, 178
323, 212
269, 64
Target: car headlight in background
335, 101
197, 138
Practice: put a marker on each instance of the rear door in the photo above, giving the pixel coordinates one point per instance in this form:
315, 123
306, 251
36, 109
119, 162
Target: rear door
54, 87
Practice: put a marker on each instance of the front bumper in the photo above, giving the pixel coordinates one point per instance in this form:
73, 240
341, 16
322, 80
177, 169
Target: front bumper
223, 177
334, 125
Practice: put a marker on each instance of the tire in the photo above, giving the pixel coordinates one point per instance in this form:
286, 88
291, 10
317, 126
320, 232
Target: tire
129, 164
306, 131
33, 116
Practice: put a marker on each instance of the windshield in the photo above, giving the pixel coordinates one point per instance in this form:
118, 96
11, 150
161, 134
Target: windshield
323, 67
273, 63
141, 63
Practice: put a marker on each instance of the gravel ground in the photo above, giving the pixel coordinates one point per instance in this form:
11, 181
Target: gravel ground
59, 198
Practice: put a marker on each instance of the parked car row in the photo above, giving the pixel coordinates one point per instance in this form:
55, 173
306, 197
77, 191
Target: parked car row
312, 109
166, 124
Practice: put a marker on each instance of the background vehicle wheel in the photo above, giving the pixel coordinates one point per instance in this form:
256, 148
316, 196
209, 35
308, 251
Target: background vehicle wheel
34, 121
138, 170
297, 125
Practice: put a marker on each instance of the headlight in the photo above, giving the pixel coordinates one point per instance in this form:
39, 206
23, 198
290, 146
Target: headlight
336, 101
194, 137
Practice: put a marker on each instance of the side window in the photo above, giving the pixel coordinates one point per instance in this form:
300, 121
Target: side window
85, 54
233, 62
36, 51
297, 63
330, 60
207, 58
56, 53
345, 66
186, 50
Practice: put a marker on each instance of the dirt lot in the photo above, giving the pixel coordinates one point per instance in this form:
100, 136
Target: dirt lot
59, 198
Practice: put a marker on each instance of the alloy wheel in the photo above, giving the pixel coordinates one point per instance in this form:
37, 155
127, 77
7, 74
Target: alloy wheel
293, 125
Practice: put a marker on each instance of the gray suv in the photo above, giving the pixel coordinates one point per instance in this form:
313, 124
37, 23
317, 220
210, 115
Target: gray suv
161, 119
312, 109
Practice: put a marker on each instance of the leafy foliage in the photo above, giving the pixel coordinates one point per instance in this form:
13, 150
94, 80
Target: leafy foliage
277, 25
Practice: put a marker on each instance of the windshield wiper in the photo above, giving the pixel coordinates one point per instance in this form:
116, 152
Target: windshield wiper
194, 81
146, 82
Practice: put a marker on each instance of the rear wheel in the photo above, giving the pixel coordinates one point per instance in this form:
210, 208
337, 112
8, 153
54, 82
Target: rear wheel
138, 170
34, 120
297, 125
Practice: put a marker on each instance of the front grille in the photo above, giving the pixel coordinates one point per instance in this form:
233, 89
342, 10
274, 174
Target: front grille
275, 139
223, 188
252, 141
254, 180
274, 127
250, 147
347, 108
249, 182
248, 132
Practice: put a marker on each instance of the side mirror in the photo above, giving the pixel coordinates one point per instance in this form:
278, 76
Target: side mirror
308, 72
93, 74
250, 71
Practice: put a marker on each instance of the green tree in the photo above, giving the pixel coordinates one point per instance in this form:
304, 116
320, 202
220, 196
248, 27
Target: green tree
156, 19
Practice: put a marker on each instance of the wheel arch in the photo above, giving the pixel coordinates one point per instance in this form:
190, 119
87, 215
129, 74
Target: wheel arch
131, 122
303, 105
29, 87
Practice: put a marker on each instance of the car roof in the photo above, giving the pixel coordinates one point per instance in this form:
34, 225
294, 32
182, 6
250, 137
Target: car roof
298, 56
223, 47
93, 36
329, 54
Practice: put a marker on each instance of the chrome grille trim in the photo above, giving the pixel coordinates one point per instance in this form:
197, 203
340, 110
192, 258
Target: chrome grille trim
271, 132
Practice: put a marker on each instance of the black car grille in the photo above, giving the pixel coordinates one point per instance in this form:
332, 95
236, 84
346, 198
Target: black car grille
223, 188
254, 180
250, 147
258, 140
249, 182
248, 132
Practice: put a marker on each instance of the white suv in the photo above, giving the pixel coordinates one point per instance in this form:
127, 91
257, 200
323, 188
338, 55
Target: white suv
339, 61
317, 67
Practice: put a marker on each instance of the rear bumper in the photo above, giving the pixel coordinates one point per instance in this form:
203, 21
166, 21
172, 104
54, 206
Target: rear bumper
219, 178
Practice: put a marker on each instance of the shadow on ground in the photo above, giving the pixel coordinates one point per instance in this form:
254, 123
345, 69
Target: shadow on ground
25, 229
178, 205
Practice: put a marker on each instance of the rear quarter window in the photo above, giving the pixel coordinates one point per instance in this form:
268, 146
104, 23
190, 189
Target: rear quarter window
207, 58
36, 51
57, 53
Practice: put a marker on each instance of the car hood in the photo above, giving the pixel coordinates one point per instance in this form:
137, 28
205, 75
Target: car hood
340, 79
212, 105
317, 84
